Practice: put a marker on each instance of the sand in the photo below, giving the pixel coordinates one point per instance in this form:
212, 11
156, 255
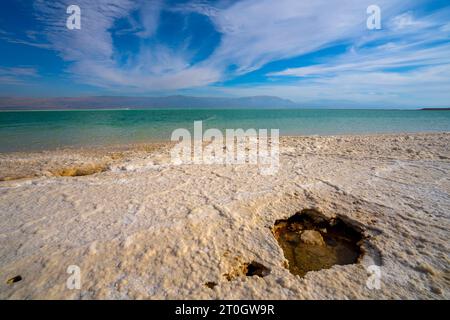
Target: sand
139, 227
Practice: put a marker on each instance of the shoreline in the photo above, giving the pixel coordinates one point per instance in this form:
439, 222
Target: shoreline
90, 160
230, 108
149, 142
147, 229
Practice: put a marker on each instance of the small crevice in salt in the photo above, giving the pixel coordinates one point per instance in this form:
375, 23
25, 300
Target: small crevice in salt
14, 279
210, 284
249, 269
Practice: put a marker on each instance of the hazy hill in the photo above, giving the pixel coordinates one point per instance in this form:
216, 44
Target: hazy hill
112, 102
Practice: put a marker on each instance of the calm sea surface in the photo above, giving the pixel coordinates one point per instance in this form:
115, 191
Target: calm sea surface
37, 130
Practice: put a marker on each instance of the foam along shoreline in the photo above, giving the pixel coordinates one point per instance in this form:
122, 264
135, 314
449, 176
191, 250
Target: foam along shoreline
142, 227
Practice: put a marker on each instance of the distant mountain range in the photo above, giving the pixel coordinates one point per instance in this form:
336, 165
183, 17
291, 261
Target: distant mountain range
177, 101
112, 102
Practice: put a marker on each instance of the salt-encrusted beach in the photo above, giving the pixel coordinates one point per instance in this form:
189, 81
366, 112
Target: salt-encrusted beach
140, 227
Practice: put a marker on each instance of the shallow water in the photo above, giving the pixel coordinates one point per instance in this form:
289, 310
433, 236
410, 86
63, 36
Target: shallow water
37, 130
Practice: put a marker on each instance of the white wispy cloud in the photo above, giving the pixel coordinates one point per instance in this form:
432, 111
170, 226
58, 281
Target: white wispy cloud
425, 87
253, 34
96, 61
412, 69
374, 59
30, 38
406, 20
404, 51
17, 75
150, 14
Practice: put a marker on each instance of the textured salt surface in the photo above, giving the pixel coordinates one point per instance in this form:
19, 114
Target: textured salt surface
147, 229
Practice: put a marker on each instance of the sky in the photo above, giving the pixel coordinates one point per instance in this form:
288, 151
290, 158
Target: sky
315, 53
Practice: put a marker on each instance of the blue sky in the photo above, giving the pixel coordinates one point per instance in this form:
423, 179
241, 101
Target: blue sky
313, 52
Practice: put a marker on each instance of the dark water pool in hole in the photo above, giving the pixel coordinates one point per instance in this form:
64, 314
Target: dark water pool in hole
311, 242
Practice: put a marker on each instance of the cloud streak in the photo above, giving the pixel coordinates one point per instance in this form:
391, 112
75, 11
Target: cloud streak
17, 75
412, 49
412, 69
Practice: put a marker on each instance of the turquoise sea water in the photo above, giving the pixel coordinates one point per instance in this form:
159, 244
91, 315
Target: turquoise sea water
37, 130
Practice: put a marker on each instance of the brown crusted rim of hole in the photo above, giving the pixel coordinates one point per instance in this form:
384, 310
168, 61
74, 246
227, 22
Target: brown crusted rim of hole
336, 241
321, 221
